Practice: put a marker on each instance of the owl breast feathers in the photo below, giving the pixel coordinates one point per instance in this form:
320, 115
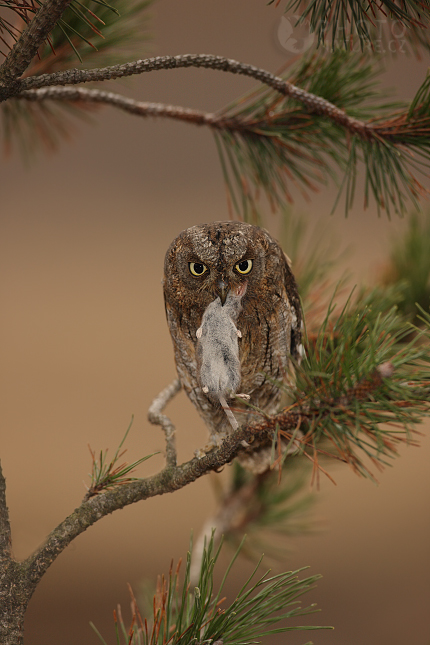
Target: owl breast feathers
207, 262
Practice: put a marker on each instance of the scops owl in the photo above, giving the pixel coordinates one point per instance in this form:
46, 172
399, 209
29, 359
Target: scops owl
229, 289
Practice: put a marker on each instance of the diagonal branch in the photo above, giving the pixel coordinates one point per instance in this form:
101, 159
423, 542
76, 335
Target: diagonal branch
27, 45
168, 480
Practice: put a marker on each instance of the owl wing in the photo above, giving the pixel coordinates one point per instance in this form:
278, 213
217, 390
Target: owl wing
295, 304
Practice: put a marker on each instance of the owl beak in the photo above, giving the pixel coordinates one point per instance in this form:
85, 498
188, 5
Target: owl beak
222, 291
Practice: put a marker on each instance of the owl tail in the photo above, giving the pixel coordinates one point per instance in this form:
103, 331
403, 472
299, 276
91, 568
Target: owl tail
230, 416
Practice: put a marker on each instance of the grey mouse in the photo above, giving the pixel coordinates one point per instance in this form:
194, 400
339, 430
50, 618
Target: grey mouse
217, 350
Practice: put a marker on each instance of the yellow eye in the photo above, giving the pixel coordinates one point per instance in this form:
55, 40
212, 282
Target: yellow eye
197, 268
244, 267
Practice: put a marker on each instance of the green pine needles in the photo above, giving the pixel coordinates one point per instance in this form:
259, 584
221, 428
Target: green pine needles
109, 474
270, 143
86, 27
364, 383
186, 614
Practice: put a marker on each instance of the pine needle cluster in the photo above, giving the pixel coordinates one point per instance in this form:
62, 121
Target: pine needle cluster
271, 143
107, 474
86, 27
363, 386
184, 615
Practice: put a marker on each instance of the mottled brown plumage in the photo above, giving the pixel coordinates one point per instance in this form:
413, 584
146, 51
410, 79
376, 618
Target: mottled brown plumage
269, 322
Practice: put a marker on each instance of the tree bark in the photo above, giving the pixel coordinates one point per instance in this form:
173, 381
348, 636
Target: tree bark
15, 594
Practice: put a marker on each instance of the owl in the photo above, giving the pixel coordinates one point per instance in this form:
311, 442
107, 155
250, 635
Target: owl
209, 263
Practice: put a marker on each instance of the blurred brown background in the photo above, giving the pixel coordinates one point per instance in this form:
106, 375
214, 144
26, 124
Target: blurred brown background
85, 346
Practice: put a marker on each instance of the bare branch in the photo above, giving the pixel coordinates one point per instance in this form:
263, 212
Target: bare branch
27, 45
314, 103
156, 417
140, 108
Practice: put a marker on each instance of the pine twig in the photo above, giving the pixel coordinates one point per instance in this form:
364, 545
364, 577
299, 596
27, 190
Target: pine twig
266, 142
139, 108
106, 474
156, 416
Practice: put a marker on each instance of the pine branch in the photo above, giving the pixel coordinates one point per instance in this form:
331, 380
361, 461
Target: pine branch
316, 104
288, 144
166, 481
360, 389
265, 141
41, 123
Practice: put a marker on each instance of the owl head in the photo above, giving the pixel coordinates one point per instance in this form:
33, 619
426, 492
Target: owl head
209, 260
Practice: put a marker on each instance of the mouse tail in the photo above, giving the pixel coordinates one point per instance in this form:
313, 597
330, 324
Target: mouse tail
230, 416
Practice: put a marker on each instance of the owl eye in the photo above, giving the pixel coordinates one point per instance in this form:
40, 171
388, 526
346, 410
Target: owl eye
244, 267
197, 268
